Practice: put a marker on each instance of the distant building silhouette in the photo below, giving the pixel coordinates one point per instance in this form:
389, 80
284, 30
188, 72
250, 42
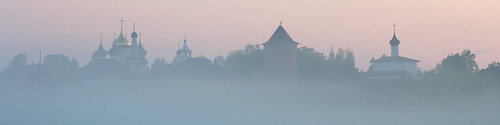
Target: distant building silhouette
129, 54
183, 56
183, 53
280, 61
394, 66
184, 66
100, 54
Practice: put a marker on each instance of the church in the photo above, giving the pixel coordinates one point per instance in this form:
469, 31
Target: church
394, 66
130, 54
183, 56
183, 53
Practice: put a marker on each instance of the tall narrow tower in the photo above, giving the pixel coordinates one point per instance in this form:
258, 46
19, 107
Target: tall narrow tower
394, 44
134, 38
280, 59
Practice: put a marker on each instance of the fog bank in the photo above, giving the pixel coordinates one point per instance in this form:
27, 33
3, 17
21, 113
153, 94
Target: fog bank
235, 102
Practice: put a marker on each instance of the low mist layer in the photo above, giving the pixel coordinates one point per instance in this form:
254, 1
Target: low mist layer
248, 103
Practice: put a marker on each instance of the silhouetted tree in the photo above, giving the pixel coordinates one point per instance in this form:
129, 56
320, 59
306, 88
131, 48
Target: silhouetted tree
61, 67
219, 61
18, 70
493, 68
348, 66
343, 63
248, 62
159, 68
463, 62
158, 63
311, 63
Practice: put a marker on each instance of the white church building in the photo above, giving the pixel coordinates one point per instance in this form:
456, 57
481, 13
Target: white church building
394, 66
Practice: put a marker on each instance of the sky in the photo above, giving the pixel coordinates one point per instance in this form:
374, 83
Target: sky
429, 30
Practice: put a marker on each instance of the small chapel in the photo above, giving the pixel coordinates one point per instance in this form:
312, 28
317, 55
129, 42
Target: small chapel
393, 66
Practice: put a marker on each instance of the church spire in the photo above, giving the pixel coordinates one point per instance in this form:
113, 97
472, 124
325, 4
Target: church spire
121, 26
121, 40
100, 39
134, 37
394, 26
100, 53
394, 43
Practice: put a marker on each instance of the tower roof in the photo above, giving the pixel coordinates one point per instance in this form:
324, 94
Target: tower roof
122, 41
185, 47
394, 40
100, 52
280, 36
134, 34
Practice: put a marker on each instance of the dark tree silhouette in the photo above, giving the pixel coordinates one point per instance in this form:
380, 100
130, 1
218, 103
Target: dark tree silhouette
493, 68
342, 64
18, 70
248, 62
61, 67
311, 63
463, 62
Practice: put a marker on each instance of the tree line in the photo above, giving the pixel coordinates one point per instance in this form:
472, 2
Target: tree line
245, 63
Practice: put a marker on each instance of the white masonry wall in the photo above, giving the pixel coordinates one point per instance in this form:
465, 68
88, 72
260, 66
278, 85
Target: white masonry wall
410, 67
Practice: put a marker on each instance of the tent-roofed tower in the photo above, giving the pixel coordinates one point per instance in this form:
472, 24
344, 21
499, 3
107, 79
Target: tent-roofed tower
280, 59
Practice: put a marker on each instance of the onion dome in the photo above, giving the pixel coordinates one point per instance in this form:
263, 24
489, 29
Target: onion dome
394, 41
121, 41
100, 52
134, 34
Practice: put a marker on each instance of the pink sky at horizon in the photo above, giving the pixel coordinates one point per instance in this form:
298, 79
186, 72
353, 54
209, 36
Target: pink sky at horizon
428, 29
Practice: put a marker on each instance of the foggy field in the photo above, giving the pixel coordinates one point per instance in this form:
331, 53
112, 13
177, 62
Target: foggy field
233, 102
